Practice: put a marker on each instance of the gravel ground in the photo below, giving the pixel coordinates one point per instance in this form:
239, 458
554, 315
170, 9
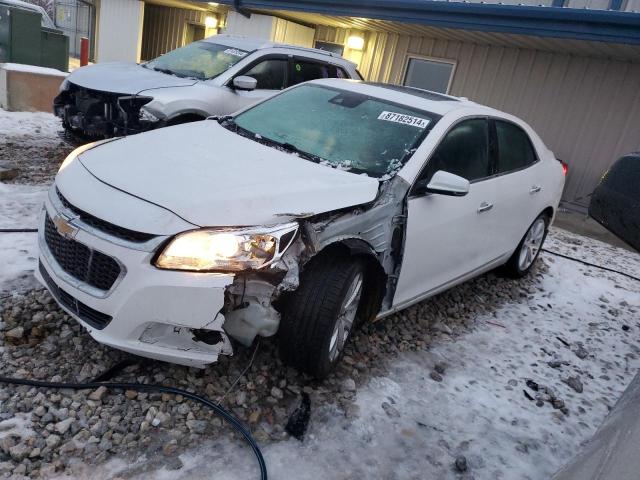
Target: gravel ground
32, 144
52, 434
64, 430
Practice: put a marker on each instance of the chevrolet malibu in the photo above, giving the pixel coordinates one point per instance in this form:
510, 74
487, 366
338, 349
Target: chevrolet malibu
328, 205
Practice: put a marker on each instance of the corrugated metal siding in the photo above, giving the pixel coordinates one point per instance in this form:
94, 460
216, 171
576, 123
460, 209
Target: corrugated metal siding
164, 28
631, 6
578, 47
590, 4
586, 109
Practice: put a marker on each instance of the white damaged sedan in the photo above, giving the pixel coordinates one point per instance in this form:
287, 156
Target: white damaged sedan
333, 203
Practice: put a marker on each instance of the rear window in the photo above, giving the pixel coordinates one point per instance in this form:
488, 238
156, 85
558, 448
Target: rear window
515, 150
304, 71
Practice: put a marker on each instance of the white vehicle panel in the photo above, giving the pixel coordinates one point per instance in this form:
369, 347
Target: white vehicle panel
225, 179
85, 192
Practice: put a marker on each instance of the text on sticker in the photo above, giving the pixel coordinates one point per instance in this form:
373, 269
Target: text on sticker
235, 52
404, 119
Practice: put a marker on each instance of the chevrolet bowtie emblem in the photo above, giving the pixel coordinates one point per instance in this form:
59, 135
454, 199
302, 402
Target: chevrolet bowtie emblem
64, 227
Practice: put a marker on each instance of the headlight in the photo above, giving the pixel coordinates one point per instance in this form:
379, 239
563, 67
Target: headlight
74, 154
146, 116
217, 250
64, 85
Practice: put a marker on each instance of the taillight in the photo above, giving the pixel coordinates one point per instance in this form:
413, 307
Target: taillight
565, 167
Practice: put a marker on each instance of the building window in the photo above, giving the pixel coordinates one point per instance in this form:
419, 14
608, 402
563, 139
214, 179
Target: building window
330, 47
434, 75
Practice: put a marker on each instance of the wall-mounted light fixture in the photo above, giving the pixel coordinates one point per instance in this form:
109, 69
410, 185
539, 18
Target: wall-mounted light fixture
211, 22
355, 42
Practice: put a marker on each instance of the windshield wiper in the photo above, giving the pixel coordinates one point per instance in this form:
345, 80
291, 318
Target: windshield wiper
164, 70
290, 147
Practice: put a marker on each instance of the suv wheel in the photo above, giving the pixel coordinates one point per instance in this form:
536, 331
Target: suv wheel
319, 317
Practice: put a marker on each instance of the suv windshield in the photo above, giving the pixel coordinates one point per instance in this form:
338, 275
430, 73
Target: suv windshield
340, 128
200, 60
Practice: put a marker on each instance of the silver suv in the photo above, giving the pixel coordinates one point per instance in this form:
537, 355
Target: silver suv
215, 76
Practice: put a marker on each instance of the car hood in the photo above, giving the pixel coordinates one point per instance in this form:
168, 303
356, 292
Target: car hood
210, 176
128, 78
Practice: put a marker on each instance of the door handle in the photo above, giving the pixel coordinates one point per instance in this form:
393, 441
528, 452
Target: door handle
535, 189
485, 207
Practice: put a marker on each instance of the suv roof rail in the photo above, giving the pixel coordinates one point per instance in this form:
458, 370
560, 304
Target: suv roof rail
303, 49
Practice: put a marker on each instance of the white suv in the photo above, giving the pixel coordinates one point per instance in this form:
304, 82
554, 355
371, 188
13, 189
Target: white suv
215, 76
332, 203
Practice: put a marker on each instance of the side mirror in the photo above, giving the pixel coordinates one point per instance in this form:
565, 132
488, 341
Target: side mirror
444, 183
243, 82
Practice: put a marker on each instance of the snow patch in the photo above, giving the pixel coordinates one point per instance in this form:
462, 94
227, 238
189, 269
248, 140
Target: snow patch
479, 409
19, 67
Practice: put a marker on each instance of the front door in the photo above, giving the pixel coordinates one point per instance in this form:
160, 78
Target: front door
449, 237
271, 76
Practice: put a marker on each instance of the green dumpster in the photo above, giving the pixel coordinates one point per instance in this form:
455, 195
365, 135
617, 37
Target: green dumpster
24, 40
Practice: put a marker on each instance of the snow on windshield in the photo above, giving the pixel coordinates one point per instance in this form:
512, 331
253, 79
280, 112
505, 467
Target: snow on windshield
343, 129
200, 60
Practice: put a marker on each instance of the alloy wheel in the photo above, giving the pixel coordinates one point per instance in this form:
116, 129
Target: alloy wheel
346, 317
531, 244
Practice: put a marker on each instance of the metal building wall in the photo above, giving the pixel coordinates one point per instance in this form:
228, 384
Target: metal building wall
164, 28
586, 109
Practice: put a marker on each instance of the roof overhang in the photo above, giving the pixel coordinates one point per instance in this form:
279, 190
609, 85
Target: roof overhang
556, 22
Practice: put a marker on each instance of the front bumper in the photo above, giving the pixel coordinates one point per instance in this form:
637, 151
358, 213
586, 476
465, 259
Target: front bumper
154, 313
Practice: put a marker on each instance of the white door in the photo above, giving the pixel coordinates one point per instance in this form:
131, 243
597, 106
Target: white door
520, 181
448, 237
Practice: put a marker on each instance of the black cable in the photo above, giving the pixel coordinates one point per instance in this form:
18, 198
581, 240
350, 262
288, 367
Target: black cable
221, 412
584, 262
18, 230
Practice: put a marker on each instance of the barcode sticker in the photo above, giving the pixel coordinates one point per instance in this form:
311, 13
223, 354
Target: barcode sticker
235, 52
404, 119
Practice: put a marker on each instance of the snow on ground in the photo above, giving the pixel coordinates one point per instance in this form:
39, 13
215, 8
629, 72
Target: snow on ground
409, 426
32, 143
41, 127
20, 206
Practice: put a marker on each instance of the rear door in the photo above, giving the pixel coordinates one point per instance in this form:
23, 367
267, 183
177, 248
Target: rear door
306, 69
520, 180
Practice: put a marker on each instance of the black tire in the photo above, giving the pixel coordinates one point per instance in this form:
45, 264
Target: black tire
513, 268
310, 314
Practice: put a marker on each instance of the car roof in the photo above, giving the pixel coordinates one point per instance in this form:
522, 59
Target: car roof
46, 21
426, 100
251, 44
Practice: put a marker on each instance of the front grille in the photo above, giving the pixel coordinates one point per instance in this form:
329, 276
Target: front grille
104, 226
79, 261
87, 314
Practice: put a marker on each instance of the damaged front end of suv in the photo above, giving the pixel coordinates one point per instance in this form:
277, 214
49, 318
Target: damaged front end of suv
102, 114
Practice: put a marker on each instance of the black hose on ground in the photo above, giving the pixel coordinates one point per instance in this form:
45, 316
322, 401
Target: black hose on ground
218, 410
589, 264
18, 230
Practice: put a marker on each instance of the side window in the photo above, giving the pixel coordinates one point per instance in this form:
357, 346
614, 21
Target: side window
270, 74
305, 70
464, 151
515, 150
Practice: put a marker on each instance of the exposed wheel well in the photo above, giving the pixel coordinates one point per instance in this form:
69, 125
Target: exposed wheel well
375, 276
548, 212
185, 118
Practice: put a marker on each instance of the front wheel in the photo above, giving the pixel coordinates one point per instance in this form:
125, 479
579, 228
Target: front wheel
528, 249
319, 317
